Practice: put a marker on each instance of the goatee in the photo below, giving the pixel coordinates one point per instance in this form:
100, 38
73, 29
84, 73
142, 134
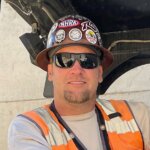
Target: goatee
77, 98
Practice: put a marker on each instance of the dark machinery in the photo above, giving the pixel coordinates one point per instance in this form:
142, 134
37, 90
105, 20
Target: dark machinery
125, 28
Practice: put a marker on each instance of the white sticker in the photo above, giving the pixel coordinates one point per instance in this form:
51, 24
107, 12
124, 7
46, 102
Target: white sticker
60, 36
91, 36
75, 34
69, 23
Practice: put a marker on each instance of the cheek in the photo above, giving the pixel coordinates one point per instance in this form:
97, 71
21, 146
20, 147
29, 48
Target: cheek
96, 77
58, 77
93, 77
53, 73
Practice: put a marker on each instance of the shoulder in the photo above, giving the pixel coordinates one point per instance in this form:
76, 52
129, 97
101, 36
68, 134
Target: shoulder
23, 134
141, 114
21, 123
140, 111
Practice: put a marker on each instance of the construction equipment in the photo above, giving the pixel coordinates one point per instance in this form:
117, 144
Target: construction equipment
125, 28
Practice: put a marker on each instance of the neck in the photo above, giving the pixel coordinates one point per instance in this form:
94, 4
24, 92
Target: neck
65, 108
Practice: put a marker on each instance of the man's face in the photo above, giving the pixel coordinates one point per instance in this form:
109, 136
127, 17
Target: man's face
75, 84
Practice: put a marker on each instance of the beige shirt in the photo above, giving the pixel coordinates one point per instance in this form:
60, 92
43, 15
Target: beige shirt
23, 134
86, 129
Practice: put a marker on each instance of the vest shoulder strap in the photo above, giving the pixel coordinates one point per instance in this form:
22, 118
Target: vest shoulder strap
120, 125
55, 134
114, 108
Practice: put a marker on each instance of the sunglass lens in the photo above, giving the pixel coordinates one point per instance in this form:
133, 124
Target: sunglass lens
88, 61
63, 60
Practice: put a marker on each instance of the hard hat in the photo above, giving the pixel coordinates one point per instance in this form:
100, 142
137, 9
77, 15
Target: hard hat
73, 30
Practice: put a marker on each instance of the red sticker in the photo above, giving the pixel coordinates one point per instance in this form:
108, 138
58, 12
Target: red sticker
68, 23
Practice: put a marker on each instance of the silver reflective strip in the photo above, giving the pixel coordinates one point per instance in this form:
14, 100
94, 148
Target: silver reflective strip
107, 106
117, 124
121, 127
55, 136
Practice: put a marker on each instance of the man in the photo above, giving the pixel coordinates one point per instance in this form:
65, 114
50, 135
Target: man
75, 60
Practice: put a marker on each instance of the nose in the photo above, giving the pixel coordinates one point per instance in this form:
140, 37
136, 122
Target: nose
76, 68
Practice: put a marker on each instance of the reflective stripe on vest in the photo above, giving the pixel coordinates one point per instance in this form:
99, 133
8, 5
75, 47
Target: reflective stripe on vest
123, 132
56, 135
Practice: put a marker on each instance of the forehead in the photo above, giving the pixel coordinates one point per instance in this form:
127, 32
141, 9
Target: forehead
76, 49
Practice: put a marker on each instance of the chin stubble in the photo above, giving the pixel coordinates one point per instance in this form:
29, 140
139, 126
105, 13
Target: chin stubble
77, 98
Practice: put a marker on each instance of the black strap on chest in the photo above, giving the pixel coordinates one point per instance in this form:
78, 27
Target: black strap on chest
78, 143
75, 139
103, 132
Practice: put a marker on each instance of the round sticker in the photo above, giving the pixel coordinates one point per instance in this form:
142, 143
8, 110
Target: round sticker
75, 34
91, 36
60, 36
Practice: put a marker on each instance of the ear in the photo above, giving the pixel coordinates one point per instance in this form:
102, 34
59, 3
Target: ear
100, 77
50, 72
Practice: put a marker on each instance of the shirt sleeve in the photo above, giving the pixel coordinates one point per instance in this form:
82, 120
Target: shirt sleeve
141, 113
25, 135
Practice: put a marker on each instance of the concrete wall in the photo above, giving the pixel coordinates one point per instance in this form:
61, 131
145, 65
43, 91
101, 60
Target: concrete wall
134, 85
21, 83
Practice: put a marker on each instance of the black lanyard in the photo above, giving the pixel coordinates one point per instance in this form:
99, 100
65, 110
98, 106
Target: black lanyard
103, 132
75, 139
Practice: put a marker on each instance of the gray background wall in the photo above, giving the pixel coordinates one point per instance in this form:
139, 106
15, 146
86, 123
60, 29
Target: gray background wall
21, 83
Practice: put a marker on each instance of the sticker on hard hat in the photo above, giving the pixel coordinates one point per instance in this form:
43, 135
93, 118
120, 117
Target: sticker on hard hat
68, 23
91, 36
60, 36
88, 24
75, 34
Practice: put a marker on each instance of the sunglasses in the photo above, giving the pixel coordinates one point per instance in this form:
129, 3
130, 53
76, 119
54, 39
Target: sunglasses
67, 60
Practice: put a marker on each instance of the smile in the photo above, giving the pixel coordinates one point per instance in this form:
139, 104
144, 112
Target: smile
77, 82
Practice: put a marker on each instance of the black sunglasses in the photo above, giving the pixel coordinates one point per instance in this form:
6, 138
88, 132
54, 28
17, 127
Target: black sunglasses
67, 60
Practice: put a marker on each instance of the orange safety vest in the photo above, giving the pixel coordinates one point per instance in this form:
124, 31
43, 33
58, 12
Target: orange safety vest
122, 130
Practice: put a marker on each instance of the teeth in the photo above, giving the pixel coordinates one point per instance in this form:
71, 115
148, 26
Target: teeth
77, 82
